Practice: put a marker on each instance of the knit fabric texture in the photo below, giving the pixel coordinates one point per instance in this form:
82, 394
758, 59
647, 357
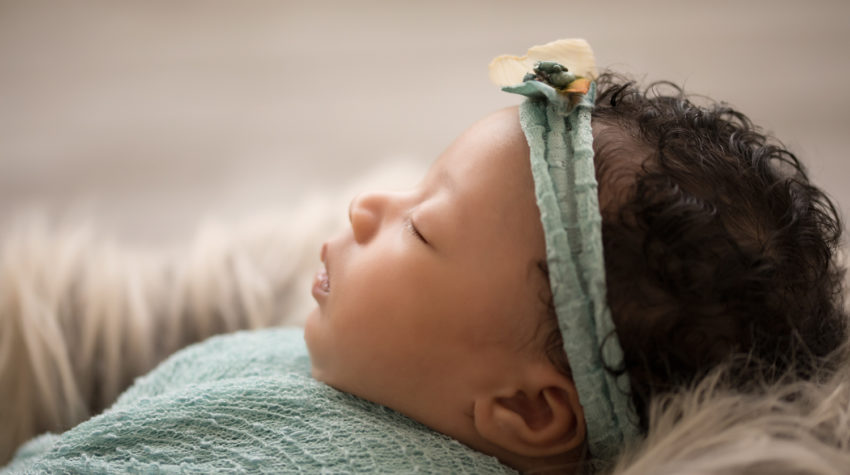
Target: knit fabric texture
246, 403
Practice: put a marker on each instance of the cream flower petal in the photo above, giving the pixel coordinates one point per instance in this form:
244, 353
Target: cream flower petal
575, 54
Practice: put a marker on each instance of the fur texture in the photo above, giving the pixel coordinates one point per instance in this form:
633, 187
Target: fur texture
786, 428
82, 317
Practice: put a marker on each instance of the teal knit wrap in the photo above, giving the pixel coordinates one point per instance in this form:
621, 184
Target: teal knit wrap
561, 148
246, 403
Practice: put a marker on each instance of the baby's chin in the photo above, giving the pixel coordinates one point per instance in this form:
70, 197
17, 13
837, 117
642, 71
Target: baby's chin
310, 334
321, 351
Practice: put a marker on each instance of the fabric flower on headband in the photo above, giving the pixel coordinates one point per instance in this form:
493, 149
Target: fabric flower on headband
566, 65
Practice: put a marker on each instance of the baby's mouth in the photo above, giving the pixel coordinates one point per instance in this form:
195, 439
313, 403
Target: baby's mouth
321, 281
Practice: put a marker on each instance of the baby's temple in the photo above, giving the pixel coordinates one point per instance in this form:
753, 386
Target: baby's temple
602, 279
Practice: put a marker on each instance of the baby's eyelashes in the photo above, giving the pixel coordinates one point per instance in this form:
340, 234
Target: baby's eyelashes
411, 227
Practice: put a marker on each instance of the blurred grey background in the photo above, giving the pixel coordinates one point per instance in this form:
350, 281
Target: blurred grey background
151, 115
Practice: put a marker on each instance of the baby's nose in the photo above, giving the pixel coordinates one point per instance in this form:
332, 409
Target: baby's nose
365, 214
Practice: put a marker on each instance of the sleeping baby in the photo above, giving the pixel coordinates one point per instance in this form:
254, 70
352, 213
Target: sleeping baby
560, 265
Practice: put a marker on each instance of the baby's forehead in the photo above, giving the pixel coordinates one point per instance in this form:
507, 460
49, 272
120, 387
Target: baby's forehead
490, 166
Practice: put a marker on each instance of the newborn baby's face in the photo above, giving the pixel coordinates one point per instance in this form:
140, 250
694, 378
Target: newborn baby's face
435, 294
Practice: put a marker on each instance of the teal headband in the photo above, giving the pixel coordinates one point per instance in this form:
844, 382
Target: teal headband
556, 120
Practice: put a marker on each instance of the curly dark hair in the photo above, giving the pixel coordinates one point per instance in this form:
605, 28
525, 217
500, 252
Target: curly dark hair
716, 244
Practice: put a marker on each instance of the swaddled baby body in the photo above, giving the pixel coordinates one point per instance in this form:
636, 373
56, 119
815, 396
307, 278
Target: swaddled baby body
246, 402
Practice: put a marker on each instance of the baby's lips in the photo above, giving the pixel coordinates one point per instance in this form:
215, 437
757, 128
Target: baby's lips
321, 279
321, 285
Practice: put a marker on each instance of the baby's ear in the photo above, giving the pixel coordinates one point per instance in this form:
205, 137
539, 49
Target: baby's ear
541, 418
